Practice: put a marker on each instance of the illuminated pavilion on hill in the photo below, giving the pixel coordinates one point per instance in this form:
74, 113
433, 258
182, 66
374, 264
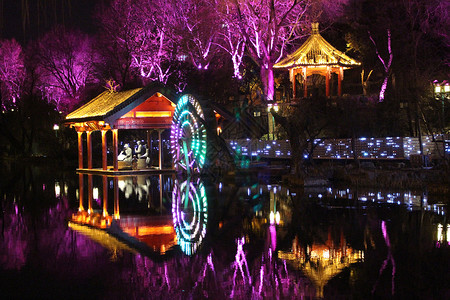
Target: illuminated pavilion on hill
316, 56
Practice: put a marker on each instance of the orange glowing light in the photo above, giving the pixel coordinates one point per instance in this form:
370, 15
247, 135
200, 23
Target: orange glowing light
153, 114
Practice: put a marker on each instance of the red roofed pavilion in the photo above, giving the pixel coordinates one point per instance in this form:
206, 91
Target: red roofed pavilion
142, 108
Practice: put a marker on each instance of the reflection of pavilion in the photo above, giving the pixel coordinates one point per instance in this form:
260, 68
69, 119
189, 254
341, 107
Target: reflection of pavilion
186, 226
321, 262
152, 233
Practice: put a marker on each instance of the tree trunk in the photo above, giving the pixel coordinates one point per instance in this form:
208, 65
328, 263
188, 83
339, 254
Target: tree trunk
267, 80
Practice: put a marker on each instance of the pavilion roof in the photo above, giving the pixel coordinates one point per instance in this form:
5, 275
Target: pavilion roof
109, 105
316, 51
101, 105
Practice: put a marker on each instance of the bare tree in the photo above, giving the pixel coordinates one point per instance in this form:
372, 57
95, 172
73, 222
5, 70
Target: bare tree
65, 65
12, 73
386, 65
268, 26
196, 24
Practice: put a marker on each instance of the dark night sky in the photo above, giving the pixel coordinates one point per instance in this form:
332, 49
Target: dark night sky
76, 15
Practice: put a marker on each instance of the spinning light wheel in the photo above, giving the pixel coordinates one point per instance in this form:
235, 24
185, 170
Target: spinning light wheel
188, 136
190, 214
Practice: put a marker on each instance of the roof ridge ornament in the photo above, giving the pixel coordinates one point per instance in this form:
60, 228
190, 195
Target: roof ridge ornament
315, 28
112, 85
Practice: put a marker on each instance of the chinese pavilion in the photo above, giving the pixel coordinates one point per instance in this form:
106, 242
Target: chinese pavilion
142, 108
316, 56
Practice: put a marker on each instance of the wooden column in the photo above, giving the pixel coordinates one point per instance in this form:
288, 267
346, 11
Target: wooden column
90, 193
80, 191
116, 198
292, 73
89, 149
161, 184
327, 82
340, 78
305, 83
115, 133
105, 196
160, 148
149, 136
104, 154
80, 149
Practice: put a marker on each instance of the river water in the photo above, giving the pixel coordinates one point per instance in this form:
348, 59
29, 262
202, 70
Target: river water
194, 239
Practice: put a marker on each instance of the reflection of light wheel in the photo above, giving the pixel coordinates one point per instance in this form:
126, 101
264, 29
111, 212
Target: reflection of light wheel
188, 135
190, 214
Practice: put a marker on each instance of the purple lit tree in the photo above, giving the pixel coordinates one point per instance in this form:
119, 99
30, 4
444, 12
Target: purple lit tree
197, 24
65, 65
386, 64
137, 36
231, 39
268, 26
12, 73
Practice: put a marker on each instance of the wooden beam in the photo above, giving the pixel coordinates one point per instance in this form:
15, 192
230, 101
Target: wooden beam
292, 75
115, 133
80, 149
89, 149
104, 154
90, 194
105, 196
340, 78
160, 149
327, 82
80, 191
116, 198
305, 83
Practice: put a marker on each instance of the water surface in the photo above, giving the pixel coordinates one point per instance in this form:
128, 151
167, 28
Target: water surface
256, 240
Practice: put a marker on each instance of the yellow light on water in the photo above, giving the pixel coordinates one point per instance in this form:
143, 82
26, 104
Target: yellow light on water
439, 232
57, 190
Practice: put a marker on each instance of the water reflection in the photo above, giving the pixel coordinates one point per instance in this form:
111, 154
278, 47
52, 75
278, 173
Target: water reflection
190, 213
262, 241
320, 262
128, 228
186, 226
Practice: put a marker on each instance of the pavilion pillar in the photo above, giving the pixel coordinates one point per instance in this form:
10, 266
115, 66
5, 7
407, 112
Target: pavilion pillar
115, 134
104, 154
327, 82
89, 149
90, 194
160, 192
292, 74
105, 196
340, 78
160, 148
149, 136
305, 83
80, 149
116, 198
80, 191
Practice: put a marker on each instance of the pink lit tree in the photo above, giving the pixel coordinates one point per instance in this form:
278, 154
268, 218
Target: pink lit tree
196, 24
268, 27
231, 38
137, 36
12, 73
386, 64
65, 65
